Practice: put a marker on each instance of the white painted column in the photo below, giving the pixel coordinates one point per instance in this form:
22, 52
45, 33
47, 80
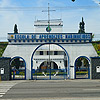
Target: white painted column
28, 69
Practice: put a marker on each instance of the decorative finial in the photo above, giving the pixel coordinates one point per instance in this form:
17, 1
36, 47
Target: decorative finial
82, 19
73, 0
81, 27
15, 29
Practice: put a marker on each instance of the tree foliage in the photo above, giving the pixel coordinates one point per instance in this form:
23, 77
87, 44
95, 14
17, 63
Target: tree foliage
2, 47
16, 63
97, 48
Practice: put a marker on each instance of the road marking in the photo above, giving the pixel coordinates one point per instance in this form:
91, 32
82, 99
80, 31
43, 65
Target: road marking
1, 96
91, 89
5, 87
4, 90
2, 93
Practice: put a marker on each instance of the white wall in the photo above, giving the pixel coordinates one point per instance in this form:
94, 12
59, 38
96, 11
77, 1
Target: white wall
77, 50
41, 25
43, 29
25, 51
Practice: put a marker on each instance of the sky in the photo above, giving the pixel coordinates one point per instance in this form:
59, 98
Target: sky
25, 12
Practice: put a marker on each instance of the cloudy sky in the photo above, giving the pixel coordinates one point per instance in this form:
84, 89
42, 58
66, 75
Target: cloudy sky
25, 12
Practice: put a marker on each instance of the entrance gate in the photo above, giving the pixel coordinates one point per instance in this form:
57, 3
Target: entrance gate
18, 68
48, 73
82, 68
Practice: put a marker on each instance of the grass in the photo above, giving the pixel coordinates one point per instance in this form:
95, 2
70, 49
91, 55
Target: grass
97, 47
81, 72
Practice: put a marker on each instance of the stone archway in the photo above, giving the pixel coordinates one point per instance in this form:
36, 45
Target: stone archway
65, 70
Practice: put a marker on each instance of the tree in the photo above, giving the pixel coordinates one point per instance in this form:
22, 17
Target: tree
79, 62
98, 47
15, 29
86, 63
92, 36
16, 63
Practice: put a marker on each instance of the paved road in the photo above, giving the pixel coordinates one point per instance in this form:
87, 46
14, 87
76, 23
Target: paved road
53, 89
5, 87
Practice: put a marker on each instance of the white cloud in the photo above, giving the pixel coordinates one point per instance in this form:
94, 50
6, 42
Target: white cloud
97, 1
8, 18
4, 3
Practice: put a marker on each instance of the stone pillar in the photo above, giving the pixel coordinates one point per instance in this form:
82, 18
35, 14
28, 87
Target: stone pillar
5, 72
95, 68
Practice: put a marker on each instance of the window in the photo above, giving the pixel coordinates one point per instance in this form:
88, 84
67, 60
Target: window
55, 52
41, 52
48, 52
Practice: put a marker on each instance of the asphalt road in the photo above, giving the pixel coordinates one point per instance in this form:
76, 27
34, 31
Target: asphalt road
54, 89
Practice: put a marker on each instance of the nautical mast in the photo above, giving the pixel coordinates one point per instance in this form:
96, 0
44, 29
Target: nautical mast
48, 30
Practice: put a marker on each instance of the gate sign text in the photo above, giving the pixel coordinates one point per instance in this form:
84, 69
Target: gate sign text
50, 36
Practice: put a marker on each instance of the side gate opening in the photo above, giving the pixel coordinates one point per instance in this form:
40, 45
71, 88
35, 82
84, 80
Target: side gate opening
18, 68
82, 68
49, 65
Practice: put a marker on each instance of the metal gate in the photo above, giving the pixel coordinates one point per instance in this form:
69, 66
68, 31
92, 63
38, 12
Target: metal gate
18, 74
82, 68
49, 74
18, 68
82, 73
